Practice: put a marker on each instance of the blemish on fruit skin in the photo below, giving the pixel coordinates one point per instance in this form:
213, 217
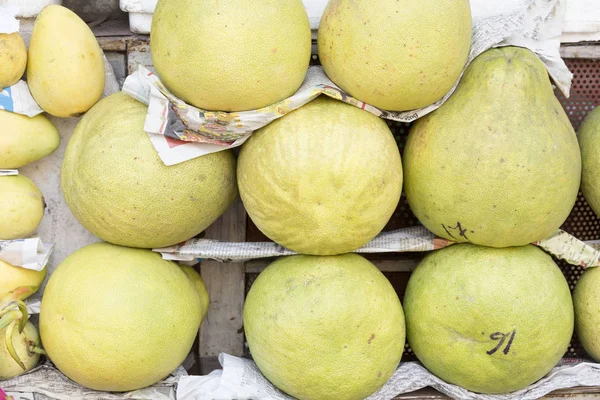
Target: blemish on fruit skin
371, 338
379, 374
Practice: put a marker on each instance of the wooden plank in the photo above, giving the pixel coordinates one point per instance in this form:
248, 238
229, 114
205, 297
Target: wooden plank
222, 331
582, 50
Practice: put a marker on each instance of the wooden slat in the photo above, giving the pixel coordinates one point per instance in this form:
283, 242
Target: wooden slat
222, 331
582, 50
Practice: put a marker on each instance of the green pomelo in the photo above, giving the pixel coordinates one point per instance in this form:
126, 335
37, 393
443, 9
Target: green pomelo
489, 320
586, 298
324, 179
324, 327
119, 189
231, 55
589, 143
396, 55
200, 289
498, 164
118, 319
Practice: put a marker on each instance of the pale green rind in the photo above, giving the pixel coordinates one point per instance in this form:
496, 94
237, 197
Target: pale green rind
231, 55
589, 143
119, 189
459, 296
586, 299
324, 327
324, 179
499, 161
118, 319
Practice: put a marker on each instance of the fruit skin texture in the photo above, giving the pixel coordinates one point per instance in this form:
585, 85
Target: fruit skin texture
65, 68
395, 55
231, 56
21, 341
21, 207
118, 319
324, 179
24, 140
118, 188
589, 143
13, 58
200, 288
13, 277
498, 164
461, 295
324, 327
586, 298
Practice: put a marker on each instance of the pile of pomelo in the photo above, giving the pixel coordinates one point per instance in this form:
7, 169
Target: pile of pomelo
498, 166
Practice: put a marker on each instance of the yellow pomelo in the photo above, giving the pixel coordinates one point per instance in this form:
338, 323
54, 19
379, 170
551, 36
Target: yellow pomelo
12, 277
324, 327
24, 140
396, 55
586, 298
589, 143
13, 59
65, 67
200, 288
21, 207
22, 343
231, 55
324, 179
493, 166
118, 319
119, 189
489, 320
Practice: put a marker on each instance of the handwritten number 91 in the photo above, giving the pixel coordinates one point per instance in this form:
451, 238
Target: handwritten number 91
501, 338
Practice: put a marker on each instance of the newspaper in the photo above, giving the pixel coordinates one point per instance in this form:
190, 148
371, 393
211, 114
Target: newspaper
241, 379
180, 132
561, 244
46, 382
30, 253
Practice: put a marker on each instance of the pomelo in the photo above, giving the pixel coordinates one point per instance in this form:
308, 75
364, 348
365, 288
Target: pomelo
200, 288
21, 207
119, 189
324, 179
231, 55
586, 298
589, 143
493, 166
395, 55
489, 320
324, 327
118, 319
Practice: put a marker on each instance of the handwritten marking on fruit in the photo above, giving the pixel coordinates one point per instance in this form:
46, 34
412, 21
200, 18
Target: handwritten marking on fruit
501, 338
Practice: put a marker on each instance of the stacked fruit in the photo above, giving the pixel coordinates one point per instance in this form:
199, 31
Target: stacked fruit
23, 140
102, 306
495, 168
